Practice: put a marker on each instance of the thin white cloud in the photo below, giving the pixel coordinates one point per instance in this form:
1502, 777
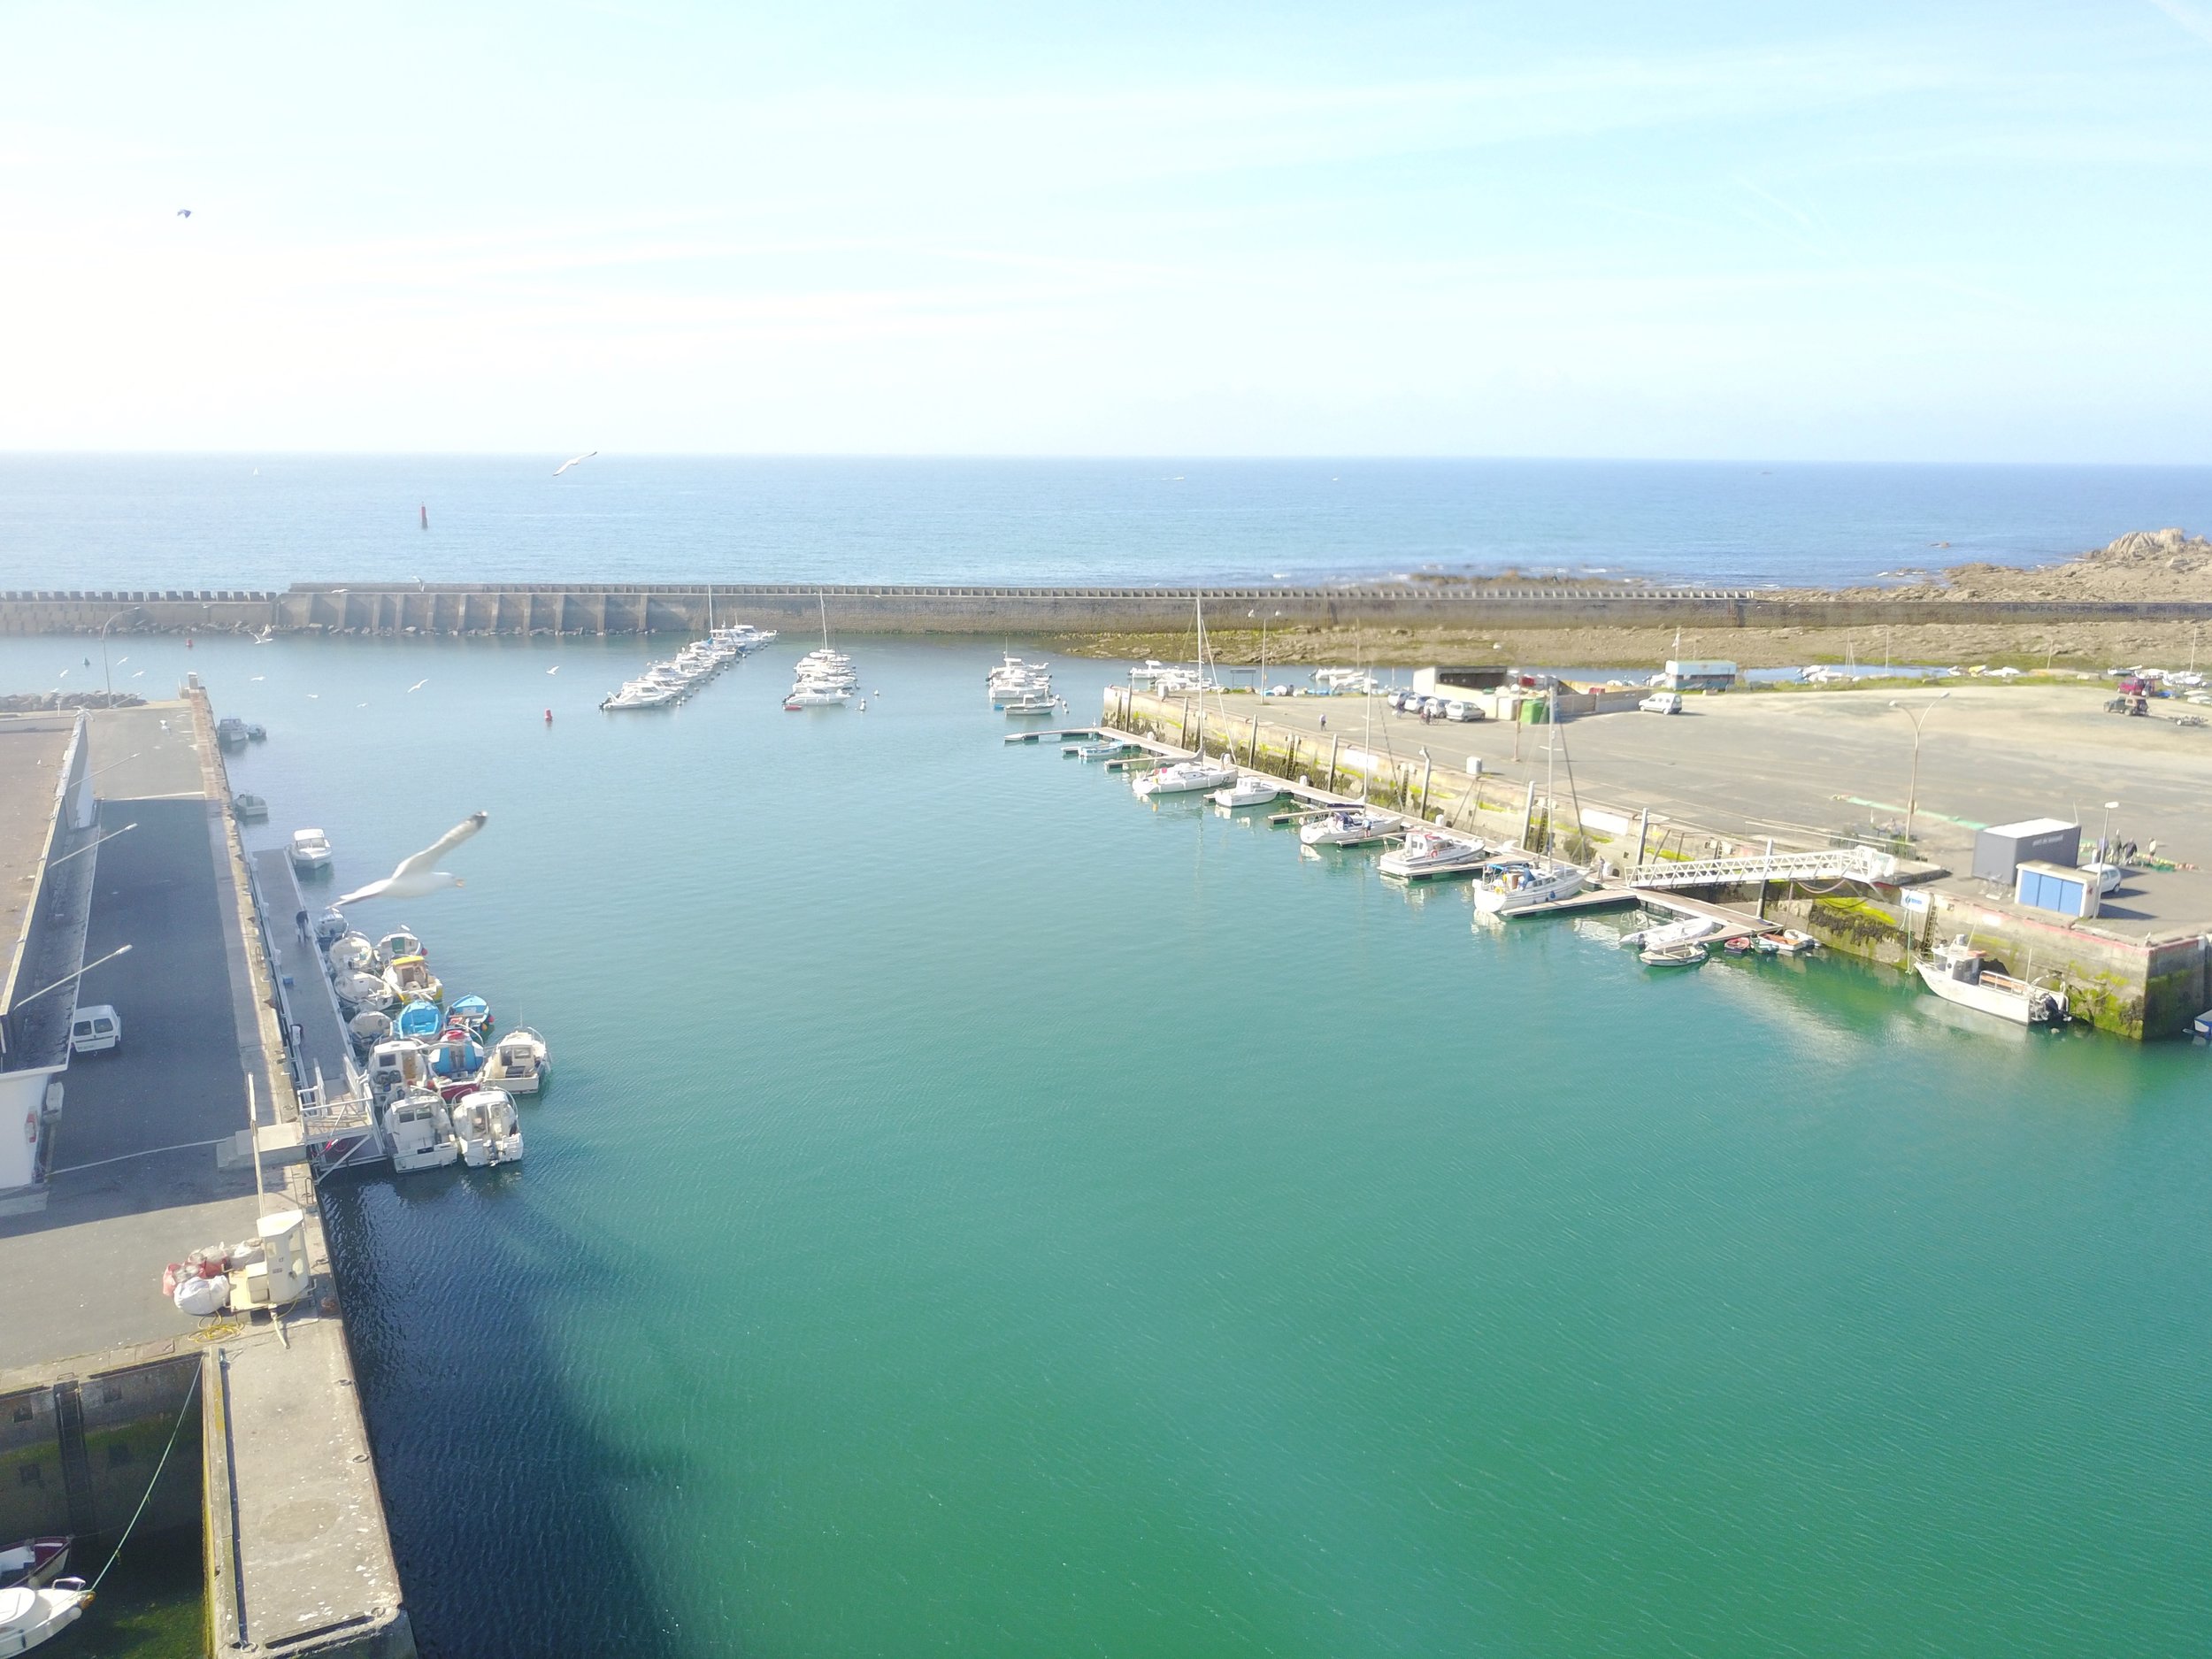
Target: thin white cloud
2188, 17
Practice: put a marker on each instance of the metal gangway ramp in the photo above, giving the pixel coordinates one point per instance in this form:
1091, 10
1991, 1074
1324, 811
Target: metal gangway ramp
1830, 863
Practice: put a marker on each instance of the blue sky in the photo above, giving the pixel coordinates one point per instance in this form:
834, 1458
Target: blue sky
1816, 232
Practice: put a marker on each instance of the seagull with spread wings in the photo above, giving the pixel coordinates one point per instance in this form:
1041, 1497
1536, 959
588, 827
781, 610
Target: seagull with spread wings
573, 460
417, 877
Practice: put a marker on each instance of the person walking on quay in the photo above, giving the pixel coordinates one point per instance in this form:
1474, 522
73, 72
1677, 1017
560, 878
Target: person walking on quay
300, 922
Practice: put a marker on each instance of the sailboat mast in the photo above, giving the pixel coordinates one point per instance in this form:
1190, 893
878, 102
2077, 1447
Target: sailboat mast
823, 599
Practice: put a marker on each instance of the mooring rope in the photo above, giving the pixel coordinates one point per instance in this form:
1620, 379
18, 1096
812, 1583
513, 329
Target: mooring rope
156, 1481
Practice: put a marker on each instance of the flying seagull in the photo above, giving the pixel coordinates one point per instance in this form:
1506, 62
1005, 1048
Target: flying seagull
184, 212
418, 685
415, 878
573, 460
555, 669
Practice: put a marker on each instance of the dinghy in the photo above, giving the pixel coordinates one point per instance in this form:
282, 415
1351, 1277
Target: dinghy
420, 1020
368, 1028
472, 1011
349, 952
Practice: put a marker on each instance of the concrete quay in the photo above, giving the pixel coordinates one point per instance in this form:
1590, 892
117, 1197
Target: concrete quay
151, 1156
400, 608
1737, 775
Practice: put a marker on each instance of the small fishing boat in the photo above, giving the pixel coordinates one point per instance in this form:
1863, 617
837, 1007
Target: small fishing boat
1430, 852
1787, 942
29, 1617
330, 927
1251, 789
420, 1020
488, 1128
310, 852
518, 1062
248, 808
473, 1012
411, 980
456, 1057
1510, 885
350, 953
358, 991
397, 1065
33, 1561
1033, 703
1739, 945
367, 1029
1347, 826
419, 1132
1684, 956
2201, 1025
1096, 751
1955, 973
393, 946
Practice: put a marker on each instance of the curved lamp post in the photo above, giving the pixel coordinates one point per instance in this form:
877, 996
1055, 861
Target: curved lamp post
1912, 792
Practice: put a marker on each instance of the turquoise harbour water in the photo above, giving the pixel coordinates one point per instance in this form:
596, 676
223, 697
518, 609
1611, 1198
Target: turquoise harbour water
979, 1213
223, 521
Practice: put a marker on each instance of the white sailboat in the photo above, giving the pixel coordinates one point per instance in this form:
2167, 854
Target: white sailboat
1510, 885
1185, 777
1347, 826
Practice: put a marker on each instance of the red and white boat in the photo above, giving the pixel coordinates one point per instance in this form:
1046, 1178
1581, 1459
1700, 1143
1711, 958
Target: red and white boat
33, 1562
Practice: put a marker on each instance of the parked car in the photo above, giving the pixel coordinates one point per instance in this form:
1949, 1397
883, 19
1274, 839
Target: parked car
1661, 702
2109, 877
95, 1026
1458, 711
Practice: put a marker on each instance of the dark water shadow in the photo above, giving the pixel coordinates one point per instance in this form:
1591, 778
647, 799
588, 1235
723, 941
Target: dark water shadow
498, 1491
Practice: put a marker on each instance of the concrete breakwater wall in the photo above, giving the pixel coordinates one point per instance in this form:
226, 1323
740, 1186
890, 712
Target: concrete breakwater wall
2140, 989
573, 608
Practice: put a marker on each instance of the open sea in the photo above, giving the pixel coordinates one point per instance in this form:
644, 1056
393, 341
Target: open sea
230, 521
979, 1213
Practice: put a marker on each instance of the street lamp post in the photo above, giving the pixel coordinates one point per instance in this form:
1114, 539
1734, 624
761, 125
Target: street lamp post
2104, 835
1912, 792
1264, 621
105, 673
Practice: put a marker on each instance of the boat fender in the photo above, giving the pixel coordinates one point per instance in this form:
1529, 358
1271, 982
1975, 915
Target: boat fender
30, 1126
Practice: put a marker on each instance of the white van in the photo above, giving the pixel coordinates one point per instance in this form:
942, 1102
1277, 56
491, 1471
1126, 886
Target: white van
1661, 702
96, 1026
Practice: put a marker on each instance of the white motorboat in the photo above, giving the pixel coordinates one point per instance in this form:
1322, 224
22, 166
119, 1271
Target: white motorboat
419, 1132
351, 953
35, 1562
1149, 674
400, 941
639, 695
1513, 884
30, 1617
329, 927
1348, 826
311, 851
817, 697
518, 1062
1955, 973
1031, 704
1430, 852
1185, 777
1668, 935
488, 1128
1250, 789
396, 1066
